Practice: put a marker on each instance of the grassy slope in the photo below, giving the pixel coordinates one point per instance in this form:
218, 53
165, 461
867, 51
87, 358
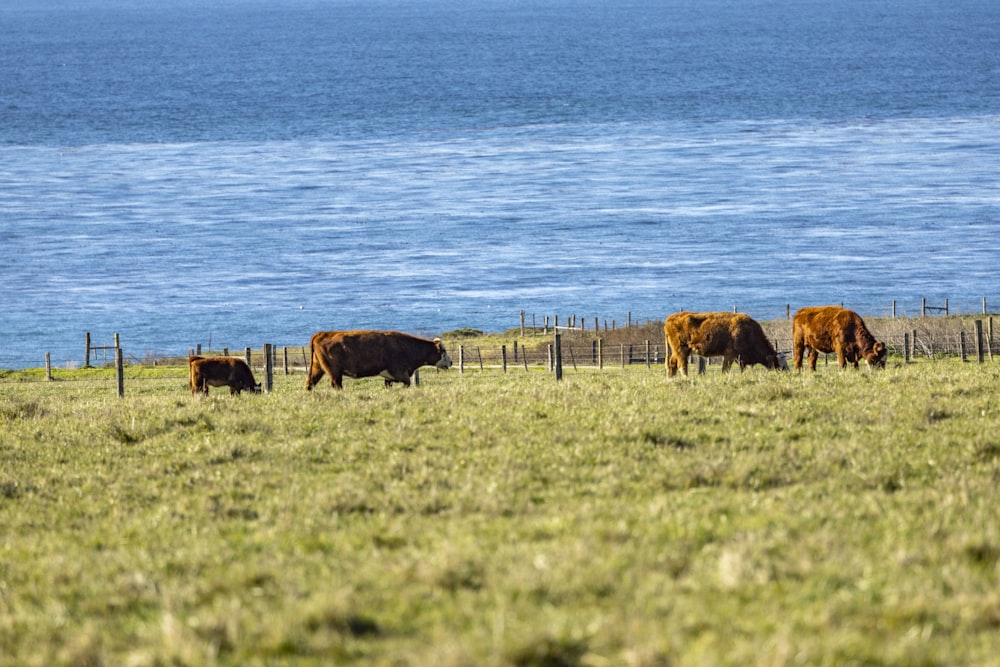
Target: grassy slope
481, 519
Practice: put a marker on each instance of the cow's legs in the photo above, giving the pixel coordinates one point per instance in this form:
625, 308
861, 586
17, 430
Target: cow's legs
813, 357
316, 369
727, 363
400, 375
797, 351
681, 360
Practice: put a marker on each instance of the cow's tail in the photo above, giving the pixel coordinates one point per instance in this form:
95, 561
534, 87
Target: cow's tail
309, 367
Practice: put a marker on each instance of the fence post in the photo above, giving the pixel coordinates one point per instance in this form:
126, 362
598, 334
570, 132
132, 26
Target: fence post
989, 337
961, 345
893, 309
461, 358
600, 353
503, 358
48, 366
246, 352
86, 357
558, 355
647, 353
284, 356
522, 330
923, 307
268, 369
980, 353
120, 371
913, 342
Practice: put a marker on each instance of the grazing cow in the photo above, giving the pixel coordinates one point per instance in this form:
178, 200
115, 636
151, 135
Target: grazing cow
835, 329
205, 372
732, 336
359, 354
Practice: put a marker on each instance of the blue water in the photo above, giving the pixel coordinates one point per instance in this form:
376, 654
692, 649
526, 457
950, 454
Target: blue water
235, 172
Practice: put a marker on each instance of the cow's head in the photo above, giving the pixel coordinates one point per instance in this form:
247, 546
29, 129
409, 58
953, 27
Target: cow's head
778, 361
444, 361
875, 357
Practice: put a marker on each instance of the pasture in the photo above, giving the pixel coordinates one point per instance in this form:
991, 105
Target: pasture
613, 518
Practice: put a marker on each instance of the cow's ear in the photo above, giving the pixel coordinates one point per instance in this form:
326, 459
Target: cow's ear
879, 347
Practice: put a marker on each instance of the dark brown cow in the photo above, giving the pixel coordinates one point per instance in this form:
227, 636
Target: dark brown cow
835, 329
732, 336
205, 372
359, 354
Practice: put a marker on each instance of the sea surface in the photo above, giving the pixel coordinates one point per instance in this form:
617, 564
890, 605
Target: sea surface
230, 173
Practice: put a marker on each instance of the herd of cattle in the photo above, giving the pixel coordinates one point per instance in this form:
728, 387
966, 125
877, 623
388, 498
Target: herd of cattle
733, 336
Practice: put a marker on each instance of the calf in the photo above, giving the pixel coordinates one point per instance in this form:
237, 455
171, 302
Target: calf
835, 329
205, 372
732, 336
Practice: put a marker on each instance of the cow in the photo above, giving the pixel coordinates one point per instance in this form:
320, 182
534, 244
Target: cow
732, 336
359, 354
205, 372
835, 329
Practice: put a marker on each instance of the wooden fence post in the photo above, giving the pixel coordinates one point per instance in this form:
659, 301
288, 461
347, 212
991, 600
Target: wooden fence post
503, 358
268, 368
558, 355
284, 355
923, 307
86, 357
120, 371
461, 359
961, 345
246, 352
906, 348
522, 330
48, 366
980, 353
647, 353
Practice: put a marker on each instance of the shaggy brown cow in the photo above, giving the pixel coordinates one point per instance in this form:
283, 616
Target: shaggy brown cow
360, 354
732, 336
835, 329
205, 372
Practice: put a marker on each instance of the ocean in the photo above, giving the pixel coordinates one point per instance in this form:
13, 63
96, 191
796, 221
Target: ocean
230, 173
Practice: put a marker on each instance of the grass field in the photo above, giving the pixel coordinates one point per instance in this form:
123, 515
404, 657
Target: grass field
614, 518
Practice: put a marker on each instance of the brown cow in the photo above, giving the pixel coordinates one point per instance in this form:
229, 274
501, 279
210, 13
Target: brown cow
205, 372
359, 354
835, 329
732, 336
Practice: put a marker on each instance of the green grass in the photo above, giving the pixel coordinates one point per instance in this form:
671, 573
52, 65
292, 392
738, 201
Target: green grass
615, 518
